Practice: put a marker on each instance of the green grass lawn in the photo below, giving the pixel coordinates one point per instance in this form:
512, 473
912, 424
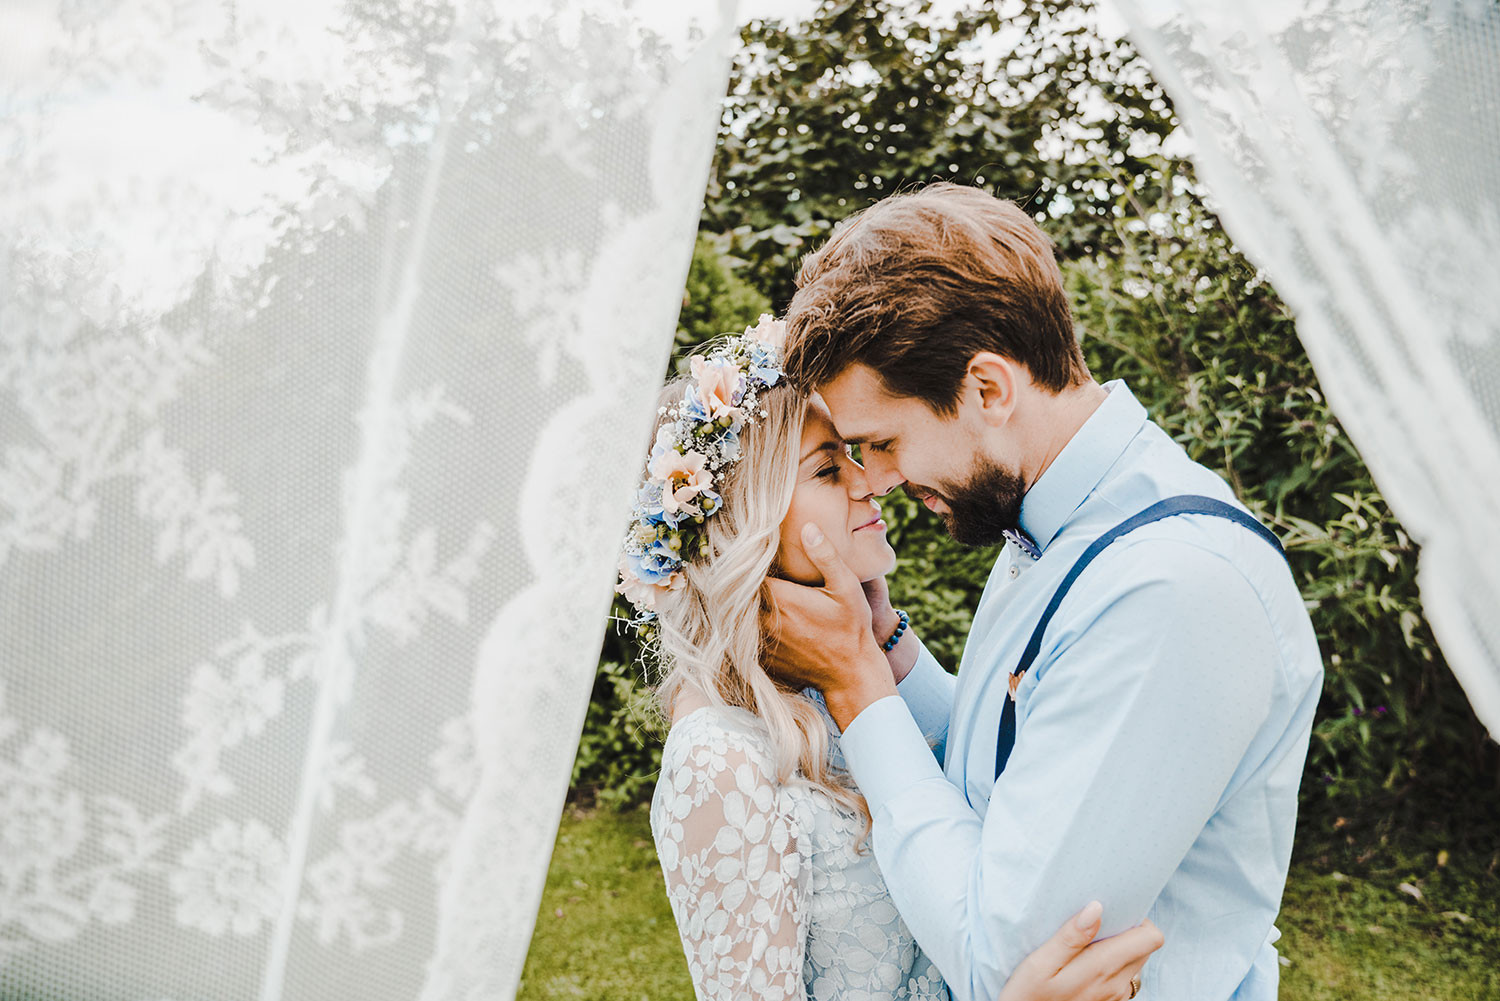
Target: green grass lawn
605, 931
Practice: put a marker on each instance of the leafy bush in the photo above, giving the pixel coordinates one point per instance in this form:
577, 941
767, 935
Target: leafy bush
620, 753
864, 99
717, 300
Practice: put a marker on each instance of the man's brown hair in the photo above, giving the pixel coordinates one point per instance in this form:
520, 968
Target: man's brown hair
917, 283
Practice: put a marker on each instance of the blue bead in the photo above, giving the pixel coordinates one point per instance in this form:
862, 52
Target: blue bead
903, 620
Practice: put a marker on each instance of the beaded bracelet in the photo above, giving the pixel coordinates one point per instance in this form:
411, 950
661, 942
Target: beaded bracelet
896, 636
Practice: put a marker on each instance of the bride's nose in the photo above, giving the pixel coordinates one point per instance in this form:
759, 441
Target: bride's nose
858, 484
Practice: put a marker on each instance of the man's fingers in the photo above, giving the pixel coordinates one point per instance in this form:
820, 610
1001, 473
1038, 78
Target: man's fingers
1134, 969
1072, 938
780, 590
837, 577
1129, 949
1073, 968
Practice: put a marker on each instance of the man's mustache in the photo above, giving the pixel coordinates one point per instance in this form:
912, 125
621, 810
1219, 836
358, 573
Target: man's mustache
917, 493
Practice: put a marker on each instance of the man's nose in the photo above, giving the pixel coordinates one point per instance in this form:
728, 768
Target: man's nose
881, 474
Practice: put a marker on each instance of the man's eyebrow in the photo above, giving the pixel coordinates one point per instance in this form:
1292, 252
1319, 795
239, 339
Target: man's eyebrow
826, 446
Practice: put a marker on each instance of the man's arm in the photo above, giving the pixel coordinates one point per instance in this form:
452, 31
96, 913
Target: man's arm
1146, 696
920, 679
927, 690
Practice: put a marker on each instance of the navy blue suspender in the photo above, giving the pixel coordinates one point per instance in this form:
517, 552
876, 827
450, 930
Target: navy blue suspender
1184, 504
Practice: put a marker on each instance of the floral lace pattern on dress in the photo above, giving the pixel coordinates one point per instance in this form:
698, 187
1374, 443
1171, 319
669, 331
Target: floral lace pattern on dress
770, 896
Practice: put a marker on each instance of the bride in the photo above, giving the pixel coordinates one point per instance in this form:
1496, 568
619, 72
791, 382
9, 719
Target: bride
760, 832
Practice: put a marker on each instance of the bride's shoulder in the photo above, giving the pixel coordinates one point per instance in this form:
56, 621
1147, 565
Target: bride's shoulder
718, 772
715, 737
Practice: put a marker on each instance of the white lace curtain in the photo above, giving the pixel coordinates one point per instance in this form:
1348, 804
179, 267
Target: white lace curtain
1352, 148
328, 335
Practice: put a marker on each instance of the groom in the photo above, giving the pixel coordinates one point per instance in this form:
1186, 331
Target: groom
1139, 742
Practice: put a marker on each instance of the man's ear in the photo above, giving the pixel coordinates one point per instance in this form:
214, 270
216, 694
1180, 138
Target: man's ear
992, 382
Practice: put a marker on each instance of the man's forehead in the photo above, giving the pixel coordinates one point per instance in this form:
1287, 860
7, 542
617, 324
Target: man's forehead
858, 402
856, 388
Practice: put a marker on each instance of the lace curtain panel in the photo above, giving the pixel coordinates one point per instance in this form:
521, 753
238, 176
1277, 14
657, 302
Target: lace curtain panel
1351, 148
328, 339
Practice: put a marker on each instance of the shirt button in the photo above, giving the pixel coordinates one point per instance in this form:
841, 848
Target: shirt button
1014, 571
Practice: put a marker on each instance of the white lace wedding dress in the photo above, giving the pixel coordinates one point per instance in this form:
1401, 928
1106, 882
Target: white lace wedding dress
770, 896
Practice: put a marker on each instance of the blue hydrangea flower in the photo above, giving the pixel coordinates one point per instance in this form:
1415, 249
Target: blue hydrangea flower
692, 406
648, 506
729, 442
652, 567
763, 364
662, 550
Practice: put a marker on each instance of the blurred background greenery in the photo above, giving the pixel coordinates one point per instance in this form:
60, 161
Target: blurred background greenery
876, 96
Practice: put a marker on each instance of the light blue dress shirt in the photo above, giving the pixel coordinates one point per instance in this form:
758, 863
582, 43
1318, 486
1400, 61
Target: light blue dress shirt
1160, 736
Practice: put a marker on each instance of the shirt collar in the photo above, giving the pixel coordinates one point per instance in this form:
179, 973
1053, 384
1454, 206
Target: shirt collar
1081, 464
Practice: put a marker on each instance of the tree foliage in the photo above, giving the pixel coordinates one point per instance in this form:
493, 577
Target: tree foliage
870, 97
874, 96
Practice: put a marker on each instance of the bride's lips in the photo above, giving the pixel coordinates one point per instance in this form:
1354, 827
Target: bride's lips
874, 522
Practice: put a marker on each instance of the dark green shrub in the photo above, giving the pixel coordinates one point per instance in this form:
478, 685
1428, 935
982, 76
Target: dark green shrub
717, 300
863, 99
620, 753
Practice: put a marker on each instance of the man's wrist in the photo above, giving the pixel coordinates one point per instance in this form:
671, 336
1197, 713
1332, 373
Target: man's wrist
868, 685
903, 656
903, 653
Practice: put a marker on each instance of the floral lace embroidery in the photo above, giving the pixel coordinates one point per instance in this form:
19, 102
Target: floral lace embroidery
770, 897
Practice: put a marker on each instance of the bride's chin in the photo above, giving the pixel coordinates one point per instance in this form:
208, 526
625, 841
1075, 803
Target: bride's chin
880, 564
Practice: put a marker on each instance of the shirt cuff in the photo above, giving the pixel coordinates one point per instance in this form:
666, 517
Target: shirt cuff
885, 751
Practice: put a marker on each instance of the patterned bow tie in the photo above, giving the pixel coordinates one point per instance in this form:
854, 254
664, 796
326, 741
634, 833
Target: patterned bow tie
1023, 542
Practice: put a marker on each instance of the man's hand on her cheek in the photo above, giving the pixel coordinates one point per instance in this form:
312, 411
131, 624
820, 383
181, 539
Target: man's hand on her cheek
821, 636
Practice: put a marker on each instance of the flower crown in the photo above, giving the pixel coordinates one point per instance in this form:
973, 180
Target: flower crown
694, 448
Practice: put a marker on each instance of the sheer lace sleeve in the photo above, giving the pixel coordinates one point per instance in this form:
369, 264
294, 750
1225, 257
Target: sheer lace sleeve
727, 836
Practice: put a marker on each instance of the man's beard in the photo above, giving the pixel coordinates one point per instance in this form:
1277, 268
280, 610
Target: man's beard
984, 507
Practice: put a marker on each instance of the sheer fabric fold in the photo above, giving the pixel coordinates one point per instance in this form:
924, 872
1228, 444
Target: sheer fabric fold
1350, 148
328, 335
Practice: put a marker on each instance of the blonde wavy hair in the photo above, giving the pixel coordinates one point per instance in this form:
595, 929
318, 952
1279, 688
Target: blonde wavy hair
709, 636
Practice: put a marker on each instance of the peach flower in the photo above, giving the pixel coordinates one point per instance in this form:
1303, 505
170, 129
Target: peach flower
768, 330
683, 480
643, 594
717, 382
